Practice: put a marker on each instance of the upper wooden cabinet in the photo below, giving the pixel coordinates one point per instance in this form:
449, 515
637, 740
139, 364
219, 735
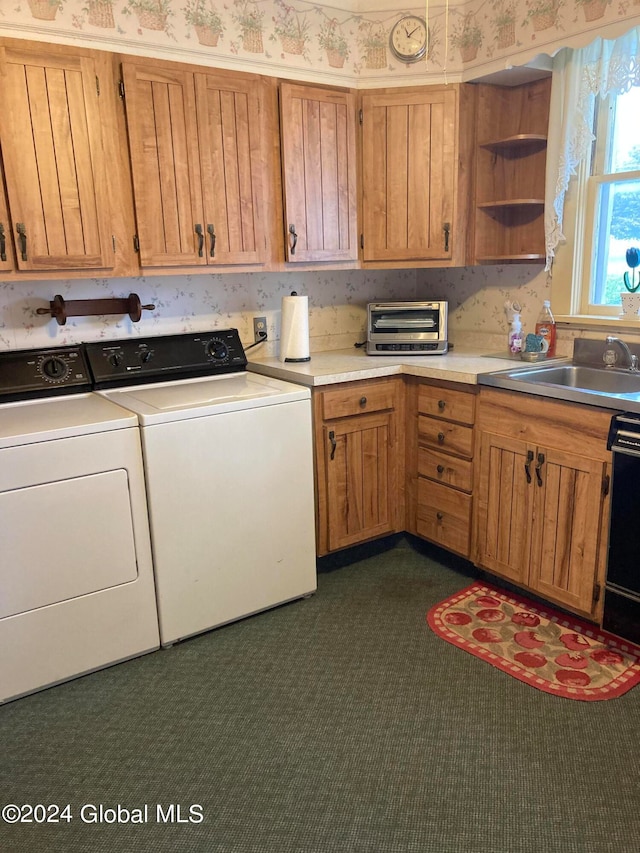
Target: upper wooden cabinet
7, 262
416, 159
511, 153
52, 131
195, 142
319, 173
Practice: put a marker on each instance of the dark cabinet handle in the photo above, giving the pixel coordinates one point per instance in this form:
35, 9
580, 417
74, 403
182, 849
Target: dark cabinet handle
292, 231
447, 229
212, 236
22, 239
527, 465
439, 516
440, 437
332, 439
440, 469
200, 233
441, 405
3, 244
539, 465
363, 401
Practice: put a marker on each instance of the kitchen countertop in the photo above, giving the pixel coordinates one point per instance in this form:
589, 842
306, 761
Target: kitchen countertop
347, 365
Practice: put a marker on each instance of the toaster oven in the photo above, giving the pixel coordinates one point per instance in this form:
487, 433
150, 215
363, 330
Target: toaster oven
418, 328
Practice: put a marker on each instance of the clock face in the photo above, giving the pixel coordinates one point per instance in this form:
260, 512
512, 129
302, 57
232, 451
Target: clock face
408, 39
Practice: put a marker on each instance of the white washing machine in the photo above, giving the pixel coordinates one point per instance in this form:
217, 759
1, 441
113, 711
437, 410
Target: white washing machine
229, 466
76, 576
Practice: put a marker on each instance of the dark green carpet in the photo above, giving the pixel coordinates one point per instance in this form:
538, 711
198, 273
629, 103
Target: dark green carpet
339, 723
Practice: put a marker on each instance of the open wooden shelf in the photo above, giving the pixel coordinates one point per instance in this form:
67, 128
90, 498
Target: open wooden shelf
512, 202
519, 142
510, 172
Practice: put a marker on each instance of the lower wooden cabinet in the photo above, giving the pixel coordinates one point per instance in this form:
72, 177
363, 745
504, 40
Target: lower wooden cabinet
542, 497
440, 463
359, 436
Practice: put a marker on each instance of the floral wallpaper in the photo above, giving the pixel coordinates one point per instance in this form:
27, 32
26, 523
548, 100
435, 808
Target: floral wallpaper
305, 39
337, 306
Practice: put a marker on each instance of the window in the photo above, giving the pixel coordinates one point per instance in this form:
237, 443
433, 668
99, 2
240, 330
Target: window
612, 221
592, 196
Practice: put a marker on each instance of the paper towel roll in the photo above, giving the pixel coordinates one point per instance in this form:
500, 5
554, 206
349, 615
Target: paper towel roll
294, 334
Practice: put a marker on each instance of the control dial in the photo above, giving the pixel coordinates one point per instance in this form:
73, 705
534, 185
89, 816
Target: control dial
54, 369
218, 349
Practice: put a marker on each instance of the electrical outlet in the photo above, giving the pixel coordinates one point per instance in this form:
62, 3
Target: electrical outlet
259, 328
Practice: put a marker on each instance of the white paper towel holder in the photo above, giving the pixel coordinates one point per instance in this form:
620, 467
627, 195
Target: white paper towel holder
294, 360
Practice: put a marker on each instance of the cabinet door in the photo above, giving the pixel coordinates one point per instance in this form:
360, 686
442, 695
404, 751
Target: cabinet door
6, 246
231, 167
358, 461
55, 170
408, 154
567, 511
162, 131
319, 173
504, 506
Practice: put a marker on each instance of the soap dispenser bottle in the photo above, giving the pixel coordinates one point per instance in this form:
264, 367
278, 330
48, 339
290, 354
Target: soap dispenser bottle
515, 335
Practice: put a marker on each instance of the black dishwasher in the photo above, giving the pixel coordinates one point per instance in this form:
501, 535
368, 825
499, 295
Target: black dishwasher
622, 590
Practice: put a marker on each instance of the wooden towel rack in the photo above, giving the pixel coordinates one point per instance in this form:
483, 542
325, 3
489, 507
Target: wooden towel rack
60, 309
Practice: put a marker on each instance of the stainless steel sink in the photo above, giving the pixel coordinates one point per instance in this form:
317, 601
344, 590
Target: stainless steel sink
600, 380
609, 388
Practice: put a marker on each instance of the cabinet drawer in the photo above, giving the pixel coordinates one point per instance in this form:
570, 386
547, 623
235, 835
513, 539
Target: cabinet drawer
445, 469
445, 403
343, 402
442, 435
444, 516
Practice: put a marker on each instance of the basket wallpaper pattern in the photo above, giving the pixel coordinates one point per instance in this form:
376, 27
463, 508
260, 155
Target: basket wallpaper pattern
330, 38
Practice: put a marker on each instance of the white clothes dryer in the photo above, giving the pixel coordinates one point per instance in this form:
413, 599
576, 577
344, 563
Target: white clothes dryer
76, 576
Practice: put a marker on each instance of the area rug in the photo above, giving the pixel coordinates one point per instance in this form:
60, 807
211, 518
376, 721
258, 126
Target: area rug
537, 645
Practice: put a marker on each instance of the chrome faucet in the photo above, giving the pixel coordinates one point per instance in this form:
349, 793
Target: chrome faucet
633, 359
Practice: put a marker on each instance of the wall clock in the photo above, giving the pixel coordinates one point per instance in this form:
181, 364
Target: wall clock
408, 39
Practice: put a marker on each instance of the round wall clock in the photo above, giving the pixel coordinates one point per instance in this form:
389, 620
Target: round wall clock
408, 39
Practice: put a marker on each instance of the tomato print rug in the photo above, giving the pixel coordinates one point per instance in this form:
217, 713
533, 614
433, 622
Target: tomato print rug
537, 645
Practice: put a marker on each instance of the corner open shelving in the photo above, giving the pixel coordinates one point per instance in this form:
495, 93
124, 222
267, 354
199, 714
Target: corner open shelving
511, 134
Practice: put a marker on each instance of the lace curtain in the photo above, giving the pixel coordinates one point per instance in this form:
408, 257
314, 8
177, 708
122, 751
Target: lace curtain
579, 77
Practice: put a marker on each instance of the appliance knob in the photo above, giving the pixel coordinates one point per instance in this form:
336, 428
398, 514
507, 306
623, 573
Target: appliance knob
115, 359
54, 368
146, 356
218, 349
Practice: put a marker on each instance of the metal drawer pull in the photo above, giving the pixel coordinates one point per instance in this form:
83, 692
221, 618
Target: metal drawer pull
439, 516
22, 239
440, 469
332, 439
539, 465
200, 233
212, 235
441, 405
292, 231
3, 250
363, 401
440, 437
527, 465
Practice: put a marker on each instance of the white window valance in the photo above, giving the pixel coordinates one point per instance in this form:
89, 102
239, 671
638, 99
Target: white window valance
579, 76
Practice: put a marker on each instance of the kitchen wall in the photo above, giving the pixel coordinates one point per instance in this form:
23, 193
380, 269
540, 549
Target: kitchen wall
337, 300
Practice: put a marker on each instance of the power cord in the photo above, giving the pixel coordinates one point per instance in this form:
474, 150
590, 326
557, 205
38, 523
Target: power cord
263, 338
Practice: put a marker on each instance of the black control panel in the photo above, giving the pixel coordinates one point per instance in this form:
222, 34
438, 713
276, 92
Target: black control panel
26, 374
139, 360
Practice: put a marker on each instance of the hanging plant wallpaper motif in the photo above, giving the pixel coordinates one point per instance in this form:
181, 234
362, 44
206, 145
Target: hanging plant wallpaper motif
205, 19
291, 28
327, 38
